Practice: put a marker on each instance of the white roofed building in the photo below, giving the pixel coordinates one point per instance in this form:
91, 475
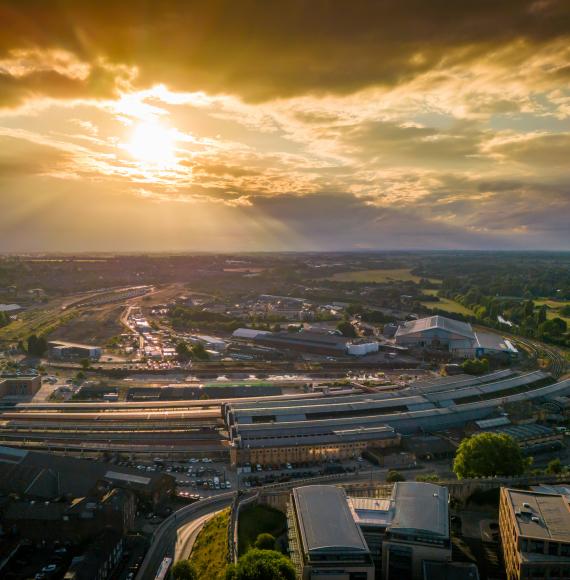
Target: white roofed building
459, 338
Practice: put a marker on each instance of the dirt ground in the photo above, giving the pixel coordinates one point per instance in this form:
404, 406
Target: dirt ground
92, 326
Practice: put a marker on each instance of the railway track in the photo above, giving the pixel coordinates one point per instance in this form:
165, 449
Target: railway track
556, 363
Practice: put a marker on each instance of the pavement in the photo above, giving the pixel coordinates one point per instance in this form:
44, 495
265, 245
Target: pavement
187, 534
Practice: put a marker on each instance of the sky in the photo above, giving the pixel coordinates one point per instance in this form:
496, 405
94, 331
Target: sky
301, 125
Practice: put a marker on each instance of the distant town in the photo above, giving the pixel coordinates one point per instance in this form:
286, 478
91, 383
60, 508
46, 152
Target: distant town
354, 416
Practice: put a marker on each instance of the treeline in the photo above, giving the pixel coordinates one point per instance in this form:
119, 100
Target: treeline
527, 318
187, 318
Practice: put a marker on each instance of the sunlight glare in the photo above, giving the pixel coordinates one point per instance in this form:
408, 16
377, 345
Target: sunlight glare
153, 144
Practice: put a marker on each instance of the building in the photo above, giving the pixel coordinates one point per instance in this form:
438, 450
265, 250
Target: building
71, 350
309, 444
75, 520
209, 342
533, 438
315, 428
306, 341
450, 571
535, 534
19, 386
362, 348
405, 531
99, 560
459, 338
44, 476
324, 539
248, 333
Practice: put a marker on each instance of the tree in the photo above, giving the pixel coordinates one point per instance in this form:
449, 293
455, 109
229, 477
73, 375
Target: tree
347, 329
265, 542
85, 363
183, 570
394, 476
262, 565
4, 319
37, 345
183, 352
487, 455
554, 467
199, 352
475, 366
428, 477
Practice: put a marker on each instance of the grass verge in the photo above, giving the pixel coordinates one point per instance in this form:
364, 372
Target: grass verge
210, 551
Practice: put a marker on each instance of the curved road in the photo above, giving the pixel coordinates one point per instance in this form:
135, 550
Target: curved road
165, 537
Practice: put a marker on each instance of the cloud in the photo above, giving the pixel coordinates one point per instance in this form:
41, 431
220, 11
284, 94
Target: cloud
261, 50
536, 149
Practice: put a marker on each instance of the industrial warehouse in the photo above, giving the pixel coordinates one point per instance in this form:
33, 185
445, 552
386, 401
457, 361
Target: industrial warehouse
339, 427
459, 338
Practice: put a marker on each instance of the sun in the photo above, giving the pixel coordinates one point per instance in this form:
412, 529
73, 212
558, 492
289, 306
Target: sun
153, 144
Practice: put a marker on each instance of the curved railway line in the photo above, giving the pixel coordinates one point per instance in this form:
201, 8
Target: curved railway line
556, 363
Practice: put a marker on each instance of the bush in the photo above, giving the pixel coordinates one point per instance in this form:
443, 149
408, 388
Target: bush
183, 570
262, 565
394, 476
475, 366
265, 542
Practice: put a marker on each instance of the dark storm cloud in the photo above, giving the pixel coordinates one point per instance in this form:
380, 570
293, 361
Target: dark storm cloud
50, 83
260, 49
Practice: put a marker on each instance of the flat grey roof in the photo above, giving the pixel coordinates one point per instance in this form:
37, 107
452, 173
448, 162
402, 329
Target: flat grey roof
325, 520
371, 511
421, 507
551, 513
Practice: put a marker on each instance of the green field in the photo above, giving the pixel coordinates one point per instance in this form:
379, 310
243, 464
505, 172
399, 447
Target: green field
209, 554
37, 321
446, 304
554, 308
259, 519
382, 276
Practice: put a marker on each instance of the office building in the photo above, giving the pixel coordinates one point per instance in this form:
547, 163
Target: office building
405, 531
535, 534
324, 539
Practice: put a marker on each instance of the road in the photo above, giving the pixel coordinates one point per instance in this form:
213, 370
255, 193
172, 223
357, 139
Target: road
186, 536
166, 535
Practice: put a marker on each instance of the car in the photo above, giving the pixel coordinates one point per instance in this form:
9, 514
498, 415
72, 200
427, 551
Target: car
289, 466
49, 568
